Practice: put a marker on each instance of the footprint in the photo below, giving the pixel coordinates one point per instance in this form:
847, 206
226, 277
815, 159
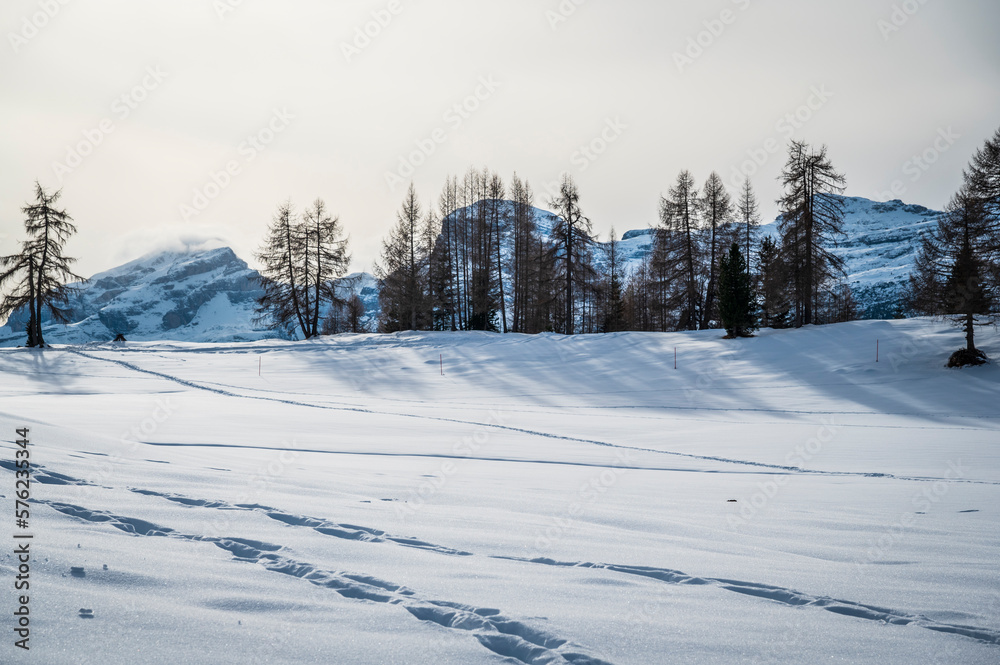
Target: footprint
501, 635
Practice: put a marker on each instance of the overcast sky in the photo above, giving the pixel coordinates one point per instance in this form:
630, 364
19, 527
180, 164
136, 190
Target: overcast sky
136, 109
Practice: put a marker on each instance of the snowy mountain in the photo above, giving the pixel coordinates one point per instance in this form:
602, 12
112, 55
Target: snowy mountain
201, 296
193, 297
879, 248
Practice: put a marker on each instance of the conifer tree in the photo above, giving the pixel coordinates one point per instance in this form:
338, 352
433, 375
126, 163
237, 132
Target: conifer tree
438, 276
748, 214
773, 278
345, 316
522, 260
638, 297
678, 256
957, 272
302, 258
446, 257
282, 304
355, 314
40, 272
572, 239
982, 177
543, 307
983, 181
325, 260
477, 218
499, 213
717, 210
613, 315
399, 270
811, 218
737, 306
953, 273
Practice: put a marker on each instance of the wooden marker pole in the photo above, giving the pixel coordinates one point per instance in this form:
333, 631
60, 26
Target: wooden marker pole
442, 364
675, 357
877, 342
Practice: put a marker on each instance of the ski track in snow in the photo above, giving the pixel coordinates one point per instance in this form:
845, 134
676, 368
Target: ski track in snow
501, 635
704, 458
784, 596
521, 408
444, 456
784, 471
327, 528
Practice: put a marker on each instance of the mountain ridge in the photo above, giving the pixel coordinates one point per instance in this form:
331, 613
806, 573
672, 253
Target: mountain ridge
208, 295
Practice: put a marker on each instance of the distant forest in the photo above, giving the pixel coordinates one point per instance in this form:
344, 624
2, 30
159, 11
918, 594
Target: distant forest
480, 259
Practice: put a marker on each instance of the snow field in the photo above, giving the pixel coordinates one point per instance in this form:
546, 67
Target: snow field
547, 500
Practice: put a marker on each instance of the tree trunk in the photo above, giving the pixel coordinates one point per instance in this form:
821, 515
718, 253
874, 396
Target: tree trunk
810, 277
503, 300
706, 316
291, 279
692, 294
569, 276
748, 246
40, 276
32, 339
319, 277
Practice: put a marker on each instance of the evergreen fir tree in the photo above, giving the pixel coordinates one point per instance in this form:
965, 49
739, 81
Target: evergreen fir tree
748, 214
775, 305
401, 267
737, 307
613, 314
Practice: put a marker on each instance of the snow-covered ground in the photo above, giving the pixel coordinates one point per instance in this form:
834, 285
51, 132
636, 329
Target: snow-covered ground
546, 500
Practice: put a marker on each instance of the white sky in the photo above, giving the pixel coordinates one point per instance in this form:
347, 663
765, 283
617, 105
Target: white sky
224, 73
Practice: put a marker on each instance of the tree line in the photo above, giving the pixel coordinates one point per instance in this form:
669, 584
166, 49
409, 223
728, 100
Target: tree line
479, 260
484, 257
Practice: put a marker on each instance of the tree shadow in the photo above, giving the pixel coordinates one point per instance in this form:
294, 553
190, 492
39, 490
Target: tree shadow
52, 368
